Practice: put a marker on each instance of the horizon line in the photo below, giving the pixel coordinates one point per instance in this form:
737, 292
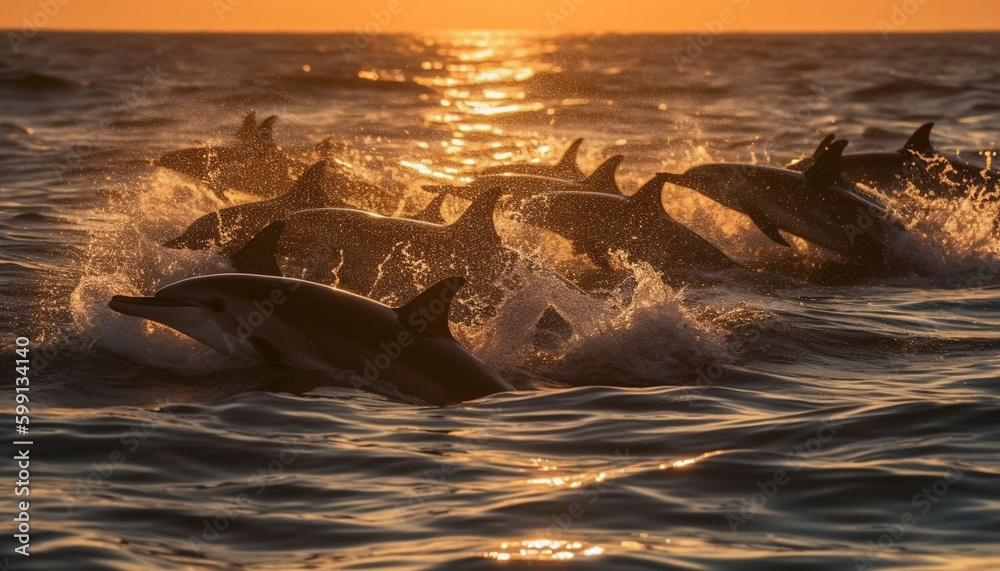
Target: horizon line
524, 31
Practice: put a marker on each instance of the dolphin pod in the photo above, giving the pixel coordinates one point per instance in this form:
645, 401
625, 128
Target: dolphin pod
306, 225
311, 327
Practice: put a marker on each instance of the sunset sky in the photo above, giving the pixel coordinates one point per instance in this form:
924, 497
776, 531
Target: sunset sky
566, 16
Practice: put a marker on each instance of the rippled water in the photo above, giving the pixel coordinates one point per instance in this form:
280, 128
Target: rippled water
780, 424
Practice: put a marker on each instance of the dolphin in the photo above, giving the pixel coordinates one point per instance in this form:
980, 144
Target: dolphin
230, 228
599, 223
917, 162
566, 168
523, 186
255, 164
378, 256
817, 205
312, 327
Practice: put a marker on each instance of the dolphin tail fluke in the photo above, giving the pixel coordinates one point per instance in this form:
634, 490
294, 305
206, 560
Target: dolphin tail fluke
414, 315
248, 130
432, 212
826, 169
603, 177
258, 255
920, 140
824, 145
568, 161
477, 220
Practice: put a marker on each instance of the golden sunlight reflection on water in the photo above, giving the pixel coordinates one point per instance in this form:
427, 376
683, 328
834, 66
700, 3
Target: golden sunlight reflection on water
544, 550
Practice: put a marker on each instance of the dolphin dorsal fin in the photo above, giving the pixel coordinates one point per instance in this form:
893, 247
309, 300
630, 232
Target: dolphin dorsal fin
920, 140
477, 220
308, 191
427, 314
650, 195
265, 132
826, 169
603, 177
248, 130
568, 161
432, 212
257, 256
823, 145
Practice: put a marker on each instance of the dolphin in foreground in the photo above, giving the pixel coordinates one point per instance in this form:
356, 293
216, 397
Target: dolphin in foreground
566, 168
254, 164
817, 205
917, 162
230, 228
638, 225
311, 327
523, 186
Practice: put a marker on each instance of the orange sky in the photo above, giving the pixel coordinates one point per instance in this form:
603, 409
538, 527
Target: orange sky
570, 16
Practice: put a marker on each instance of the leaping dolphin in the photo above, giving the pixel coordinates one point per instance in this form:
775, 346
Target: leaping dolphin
638, 225
566, 168
311, 327
378, 256
230, 228
523, 186
817, 205
917, 162
254, 164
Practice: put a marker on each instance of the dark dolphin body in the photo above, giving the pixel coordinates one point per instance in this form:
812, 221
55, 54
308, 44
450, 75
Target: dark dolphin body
566, 168
382, 257
638, 225
817, 205
917, 162
230, 228
522, 186
311, 327
254, 164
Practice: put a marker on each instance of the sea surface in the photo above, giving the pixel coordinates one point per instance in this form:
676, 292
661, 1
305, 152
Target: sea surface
794, 422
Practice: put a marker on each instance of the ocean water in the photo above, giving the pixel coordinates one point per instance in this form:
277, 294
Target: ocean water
795, 422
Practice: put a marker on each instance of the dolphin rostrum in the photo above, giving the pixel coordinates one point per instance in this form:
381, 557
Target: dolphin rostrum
312, 327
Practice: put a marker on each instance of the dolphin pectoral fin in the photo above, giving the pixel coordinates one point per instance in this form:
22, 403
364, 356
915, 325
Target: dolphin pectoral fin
266, 350
920, 140
770, 229
423, 314
603, 177
257, 256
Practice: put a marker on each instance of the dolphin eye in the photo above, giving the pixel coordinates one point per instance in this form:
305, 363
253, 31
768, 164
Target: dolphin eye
216, 305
